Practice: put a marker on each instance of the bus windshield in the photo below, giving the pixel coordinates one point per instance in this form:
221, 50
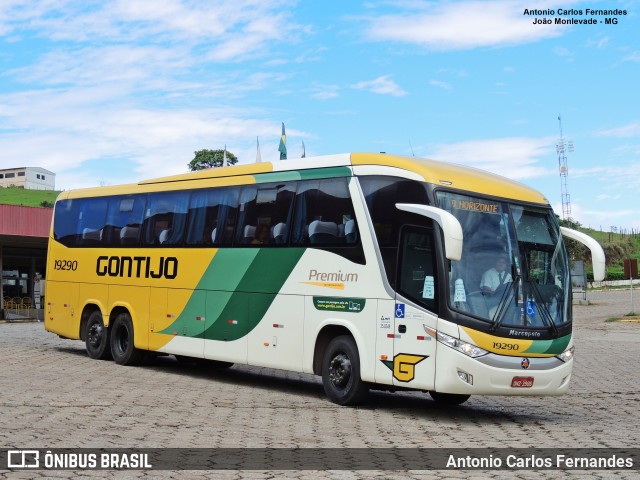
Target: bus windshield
514, 270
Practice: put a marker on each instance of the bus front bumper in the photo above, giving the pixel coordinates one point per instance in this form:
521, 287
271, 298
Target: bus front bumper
500, 375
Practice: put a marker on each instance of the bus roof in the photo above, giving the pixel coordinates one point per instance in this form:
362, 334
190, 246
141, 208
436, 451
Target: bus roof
444, 174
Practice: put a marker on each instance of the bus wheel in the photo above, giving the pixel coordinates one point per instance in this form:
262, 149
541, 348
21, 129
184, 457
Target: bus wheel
97, 337
449, 399
122, 349
341, 372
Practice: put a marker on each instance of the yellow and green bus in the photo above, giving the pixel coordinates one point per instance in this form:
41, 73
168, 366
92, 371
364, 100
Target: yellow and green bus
370, 270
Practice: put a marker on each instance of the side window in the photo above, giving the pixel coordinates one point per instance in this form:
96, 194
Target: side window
91, 221
264, 216
65, 222
417, 279
324, 214
324, 218
124, 220
165, 218
212, 217
382, 194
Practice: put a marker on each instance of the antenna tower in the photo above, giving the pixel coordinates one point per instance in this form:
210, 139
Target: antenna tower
562, 147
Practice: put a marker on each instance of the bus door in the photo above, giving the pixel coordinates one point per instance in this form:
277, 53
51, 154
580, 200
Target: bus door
416, 300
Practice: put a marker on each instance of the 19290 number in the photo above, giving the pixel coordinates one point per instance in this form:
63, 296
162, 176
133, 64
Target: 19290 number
65, 265
506, 346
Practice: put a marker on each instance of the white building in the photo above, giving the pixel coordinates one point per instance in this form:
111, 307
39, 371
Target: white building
31, 178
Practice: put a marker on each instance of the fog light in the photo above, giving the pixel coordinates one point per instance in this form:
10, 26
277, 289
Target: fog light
465, 377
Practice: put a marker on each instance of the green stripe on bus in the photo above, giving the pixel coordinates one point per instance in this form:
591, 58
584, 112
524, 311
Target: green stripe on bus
555, 346
254, 294
240, 286
310, 174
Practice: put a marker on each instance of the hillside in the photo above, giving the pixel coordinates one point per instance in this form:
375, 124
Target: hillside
617, 248
27, 198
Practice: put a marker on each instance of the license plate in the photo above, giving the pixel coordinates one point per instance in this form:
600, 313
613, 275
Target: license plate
522, 382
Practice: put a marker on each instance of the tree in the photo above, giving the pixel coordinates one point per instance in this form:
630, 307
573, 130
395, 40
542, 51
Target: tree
210, 158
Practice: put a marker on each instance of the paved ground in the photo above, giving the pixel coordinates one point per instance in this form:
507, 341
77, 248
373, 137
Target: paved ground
53, 396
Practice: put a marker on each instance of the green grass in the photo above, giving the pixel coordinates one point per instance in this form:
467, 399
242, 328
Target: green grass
27, 198
628, 318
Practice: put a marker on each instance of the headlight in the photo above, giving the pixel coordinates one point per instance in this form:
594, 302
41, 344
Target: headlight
466, 348
567, 354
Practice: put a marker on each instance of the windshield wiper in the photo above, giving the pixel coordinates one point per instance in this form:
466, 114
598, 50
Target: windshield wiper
546, 316
499, 316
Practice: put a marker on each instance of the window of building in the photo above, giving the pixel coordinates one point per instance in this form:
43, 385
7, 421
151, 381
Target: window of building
9, 175
21, 174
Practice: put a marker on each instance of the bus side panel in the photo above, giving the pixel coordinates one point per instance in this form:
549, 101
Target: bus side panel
227, 326
136, 301
182, 329
94, 294
384, 341
276, 341
159, 318
358, 315
63, 316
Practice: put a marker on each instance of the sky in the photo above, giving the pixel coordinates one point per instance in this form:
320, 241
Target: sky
116, 91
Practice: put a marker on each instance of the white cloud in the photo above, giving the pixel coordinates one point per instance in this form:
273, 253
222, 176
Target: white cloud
600, 43
325, 92
440, 84
516, 158
230, 30
462, 25
630, 130
633, 57
382, 85
604, 196
64, 130
563, 52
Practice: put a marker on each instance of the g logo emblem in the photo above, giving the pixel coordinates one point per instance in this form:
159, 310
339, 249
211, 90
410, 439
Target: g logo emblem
404, 366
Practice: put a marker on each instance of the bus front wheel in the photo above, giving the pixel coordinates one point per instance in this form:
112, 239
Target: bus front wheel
97, 337
341, 372
449, 399
122, 348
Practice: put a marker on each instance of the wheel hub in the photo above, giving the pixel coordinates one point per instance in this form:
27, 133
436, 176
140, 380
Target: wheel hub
95, 334
340, 370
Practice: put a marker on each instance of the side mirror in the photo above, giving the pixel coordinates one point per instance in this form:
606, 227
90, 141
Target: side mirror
449, 224
597, 254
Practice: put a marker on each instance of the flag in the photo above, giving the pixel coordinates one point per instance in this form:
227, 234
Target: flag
304, 152
282, 148
258, 156
224, 157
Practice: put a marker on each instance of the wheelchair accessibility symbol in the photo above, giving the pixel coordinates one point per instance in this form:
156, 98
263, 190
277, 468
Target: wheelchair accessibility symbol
531, 309
399, 310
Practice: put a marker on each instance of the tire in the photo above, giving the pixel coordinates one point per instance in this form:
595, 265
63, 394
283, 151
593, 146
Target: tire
341, 372
96, 337
449, 399
122, 347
